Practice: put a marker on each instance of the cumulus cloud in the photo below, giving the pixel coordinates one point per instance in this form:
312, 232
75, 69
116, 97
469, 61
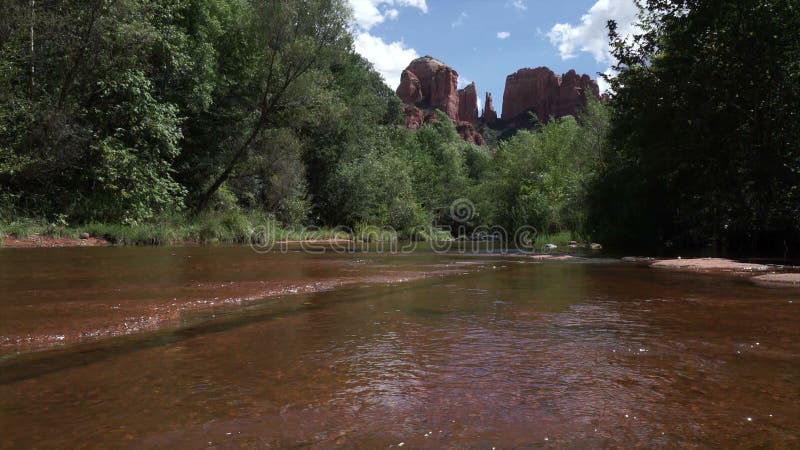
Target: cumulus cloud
368, 13
591, 35
602, 84
519, 4
503, 35
389, 59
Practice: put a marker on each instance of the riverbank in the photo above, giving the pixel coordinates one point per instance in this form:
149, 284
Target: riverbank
763, 274
231, 227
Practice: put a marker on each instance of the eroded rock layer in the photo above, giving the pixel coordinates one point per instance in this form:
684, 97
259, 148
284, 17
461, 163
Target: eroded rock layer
428, 84
544, 93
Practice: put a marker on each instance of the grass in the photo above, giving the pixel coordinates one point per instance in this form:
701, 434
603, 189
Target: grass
230, 227
560, 239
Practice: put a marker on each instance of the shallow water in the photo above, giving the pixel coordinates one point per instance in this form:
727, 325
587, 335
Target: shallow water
228, 348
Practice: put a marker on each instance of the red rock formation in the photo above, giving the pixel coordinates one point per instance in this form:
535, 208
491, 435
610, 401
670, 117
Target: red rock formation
529, 89
415, 118
489, 114
444, 92
541, 91
430, 83
468, 132
468, 104
410, 90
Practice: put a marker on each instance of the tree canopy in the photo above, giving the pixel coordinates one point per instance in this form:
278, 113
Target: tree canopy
705, 143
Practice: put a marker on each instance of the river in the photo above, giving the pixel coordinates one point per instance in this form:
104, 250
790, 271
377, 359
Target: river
224, 347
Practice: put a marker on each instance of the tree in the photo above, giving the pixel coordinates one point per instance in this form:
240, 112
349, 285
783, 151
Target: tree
538, 178
289, 45
86, 128
705, 143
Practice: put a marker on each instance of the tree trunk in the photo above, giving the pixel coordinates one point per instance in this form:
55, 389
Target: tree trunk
32, 46
205, 199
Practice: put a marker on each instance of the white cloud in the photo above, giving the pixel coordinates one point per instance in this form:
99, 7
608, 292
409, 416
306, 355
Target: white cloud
519, 4
503, 35
368, 13
460, 21
389, 59
603, 84
591, 36
392, 14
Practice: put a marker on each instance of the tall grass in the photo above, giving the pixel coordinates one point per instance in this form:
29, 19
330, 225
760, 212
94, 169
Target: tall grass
560, 239
229, 227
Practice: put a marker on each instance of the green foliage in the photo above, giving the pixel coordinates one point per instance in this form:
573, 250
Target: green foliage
86, 129
705, 137
151, 122
540, 178
374, 183
438, 158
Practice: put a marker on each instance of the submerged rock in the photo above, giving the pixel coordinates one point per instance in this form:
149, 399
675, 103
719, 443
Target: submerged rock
779, 279
710, 264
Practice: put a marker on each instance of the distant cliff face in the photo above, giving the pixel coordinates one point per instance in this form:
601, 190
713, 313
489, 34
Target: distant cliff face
541, 91
468, 104
428, 84
489, 114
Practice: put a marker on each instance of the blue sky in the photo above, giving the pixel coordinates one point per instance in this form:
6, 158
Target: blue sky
486, 40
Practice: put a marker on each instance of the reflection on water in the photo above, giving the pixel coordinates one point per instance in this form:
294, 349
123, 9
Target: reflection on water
506, 354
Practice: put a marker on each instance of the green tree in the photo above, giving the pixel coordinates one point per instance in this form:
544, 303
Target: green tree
374, 184
288, 47
542, 178
705, 136
86, 128
363, 102
438, 158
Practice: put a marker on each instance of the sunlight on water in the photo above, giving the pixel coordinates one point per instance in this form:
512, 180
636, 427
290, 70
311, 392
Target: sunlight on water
403, 351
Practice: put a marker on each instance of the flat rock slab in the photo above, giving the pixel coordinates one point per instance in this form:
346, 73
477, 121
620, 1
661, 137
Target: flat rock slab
638, 259
779, 279
710, 264
36, 241
546, 257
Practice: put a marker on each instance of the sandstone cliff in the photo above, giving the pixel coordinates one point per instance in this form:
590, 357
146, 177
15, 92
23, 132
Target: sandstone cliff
489, 114
541, 91
468, 104
428, 84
